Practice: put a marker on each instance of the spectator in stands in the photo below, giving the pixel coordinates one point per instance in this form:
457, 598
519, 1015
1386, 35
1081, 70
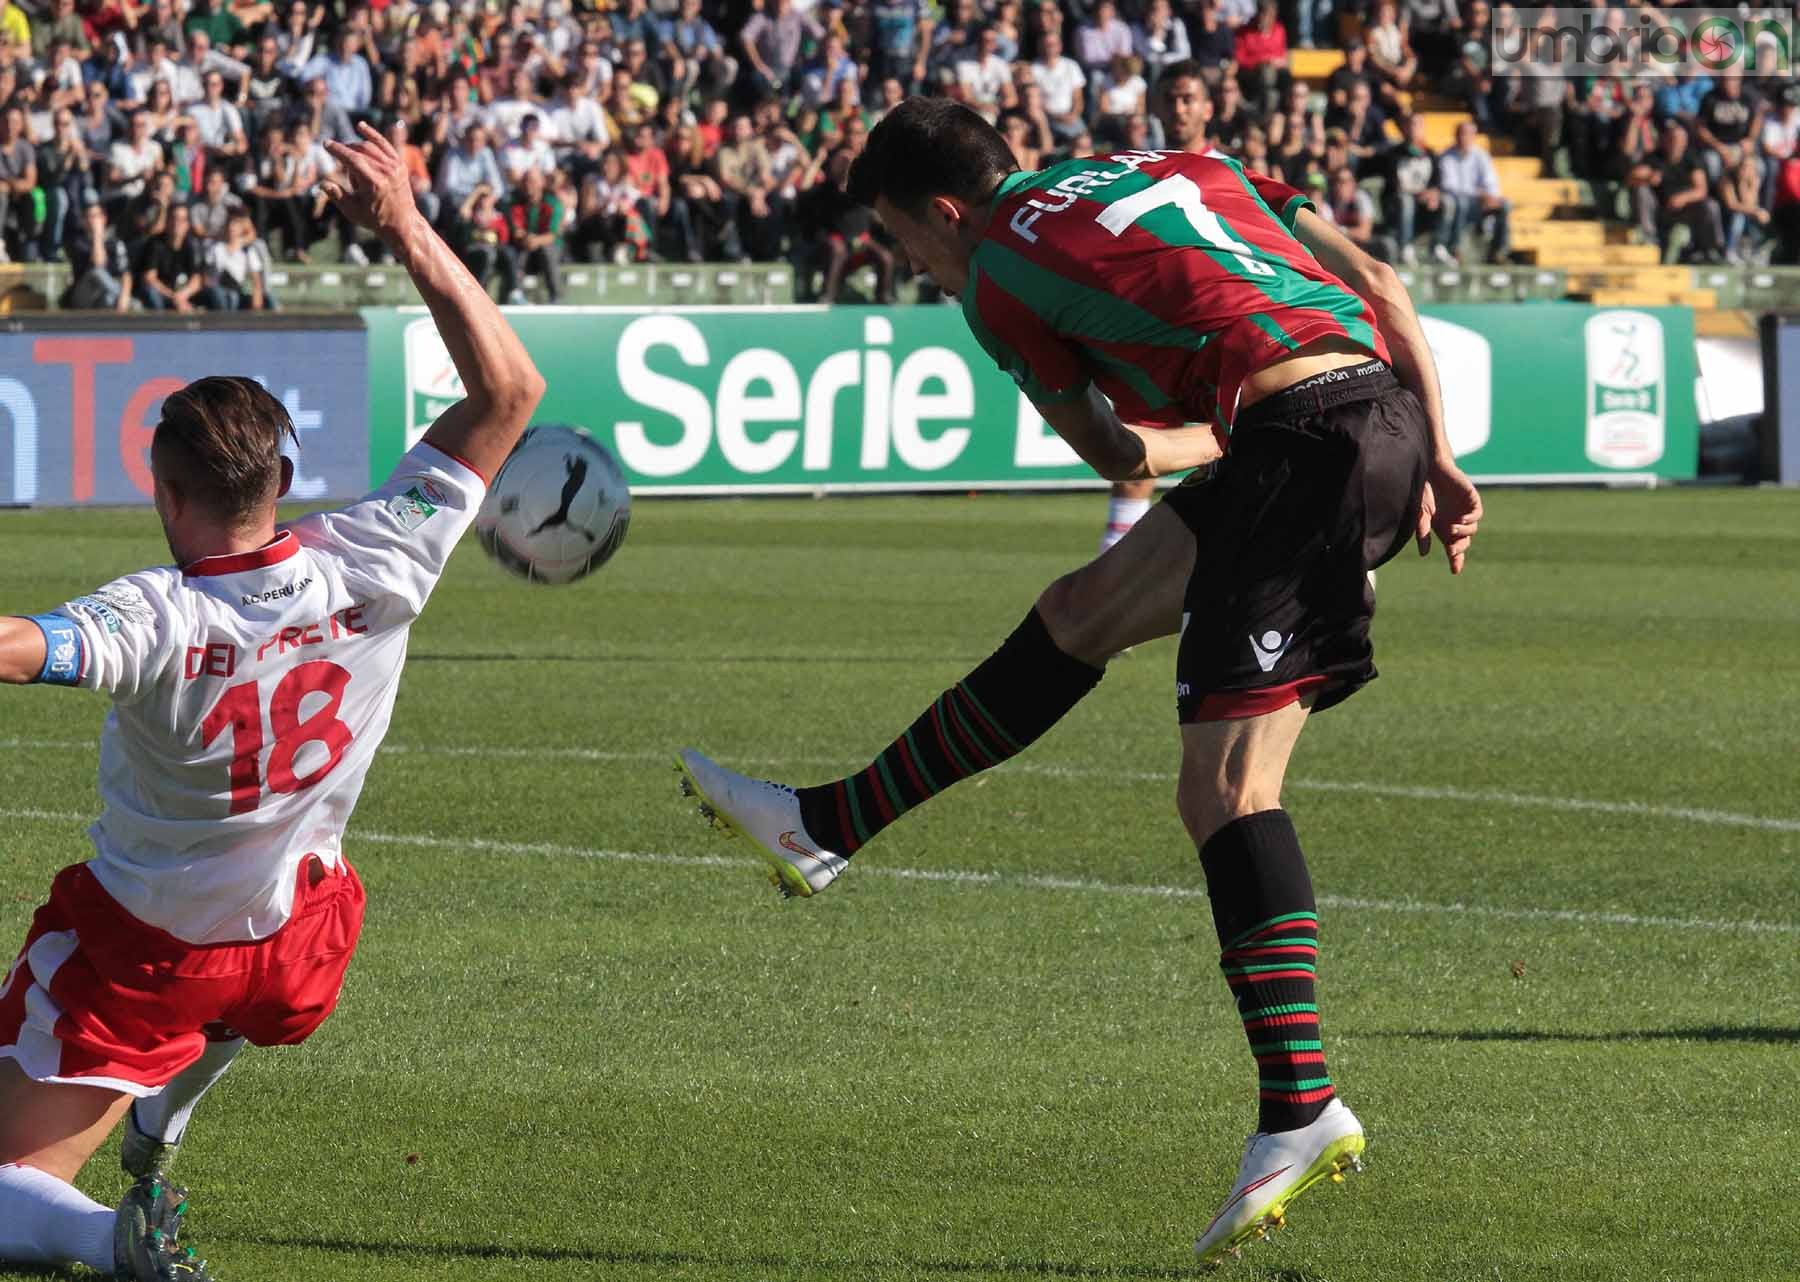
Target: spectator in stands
1098, 41
706, 66
221, 127
1352, 211
1390, 47
743, 170
821, 81
836, 237
647, 79
1214, 44
1725, 124
1434, 29
770, 42
1470, 194
297, 35
1410, 188
471, 164
1353, 71
100, 263
1591, 125
198, 59
1161, 40
647, 169
528, 150
58, 22
698, 194
345, 72
211, 215
983, 79
1669, 189
15, 28
1064, 87
110, 67
481, 234
173, 268
63, 79
1261, 54
1231, 114
238, 269
1637, 138
1021, 139
99, 123
534, 218
160, 110
267, 87
278, 194
577, 127
1746, 217
1364, 125
1313, 20
65, 175
325, 118
18, 178
1120, 95
1470, 77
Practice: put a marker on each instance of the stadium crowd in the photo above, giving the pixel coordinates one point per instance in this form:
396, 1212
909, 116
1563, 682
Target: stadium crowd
170, 149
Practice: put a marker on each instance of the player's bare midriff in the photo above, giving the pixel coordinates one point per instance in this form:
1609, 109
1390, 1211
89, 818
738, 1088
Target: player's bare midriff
1332, 352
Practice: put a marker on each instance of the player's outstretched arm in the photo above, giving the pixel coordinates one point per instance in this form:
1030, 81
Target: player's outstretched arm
22, 651
502, 386
1122, 452
1452, 507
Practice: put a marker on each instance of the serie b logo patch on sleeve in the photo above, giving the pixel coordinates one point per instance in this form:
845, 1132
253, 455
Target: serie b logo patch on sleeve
412, 508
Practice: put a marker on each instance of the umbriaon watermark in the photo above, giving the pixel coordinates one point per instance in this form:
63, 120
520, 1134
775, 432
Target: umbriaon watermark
1620, 42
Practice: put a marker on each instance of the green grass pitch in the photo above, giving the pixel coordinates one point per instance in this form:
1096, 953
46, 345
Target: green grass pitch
1556, 847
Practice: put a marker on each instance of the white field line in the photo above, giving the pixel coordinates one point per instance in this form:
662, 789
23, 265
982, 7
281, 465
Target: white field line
1018, 881
1408, 792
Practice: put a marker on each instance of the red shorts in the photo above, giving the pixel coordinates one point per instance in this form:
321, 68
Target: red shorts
98, 998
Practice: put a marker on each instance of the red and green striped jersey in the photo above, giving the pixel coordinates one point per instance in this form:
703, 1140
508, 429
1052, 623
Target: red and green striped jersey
1163, 278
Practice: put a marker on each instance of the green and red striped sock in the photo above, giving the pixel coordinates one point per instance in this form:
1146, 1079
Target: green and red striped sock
1268, 927
994, 713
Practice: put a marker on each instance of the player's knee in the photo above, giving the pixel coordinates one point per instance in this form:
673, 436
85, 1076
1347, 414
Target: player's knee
1207, 804
1072, 610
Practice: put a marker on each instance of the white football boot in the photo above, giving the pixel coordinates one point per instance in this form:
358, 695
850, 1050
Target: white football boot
1277, 1168
768, 814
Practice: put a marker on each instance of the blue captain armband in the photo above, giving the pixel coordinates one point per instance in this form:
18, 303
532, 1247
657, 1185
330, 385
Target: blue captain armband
65, 653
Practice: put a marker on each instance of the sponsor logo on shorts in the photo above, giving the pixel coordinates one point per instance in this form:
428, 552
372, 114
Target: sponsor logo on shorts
413, 508
1269, 648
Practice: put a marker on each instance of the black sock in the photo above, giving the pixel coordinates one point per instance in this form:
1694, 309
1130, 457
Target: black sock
996, 712
1268, 927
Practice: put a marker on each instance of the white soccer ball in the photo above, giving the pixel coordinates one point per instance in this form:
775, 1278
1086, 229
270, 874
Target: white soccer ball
559, 508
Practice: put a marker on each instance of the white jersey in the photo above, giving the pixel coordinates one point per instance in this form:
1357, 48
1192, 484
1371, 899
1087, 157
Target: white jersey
250, 693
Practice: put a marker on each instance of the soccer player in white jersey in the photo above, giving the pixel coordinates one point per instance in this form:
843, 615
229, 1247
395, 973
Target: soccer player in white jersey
251, 682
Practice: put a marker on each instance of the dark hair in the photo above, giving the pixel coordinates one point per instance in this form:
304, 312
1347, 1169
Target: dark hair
219, 440
929, 147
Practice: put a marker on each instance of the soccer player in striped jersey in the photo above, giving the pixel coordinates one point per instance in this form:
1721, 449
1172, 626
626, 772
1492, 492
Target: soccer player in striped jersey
251, 683
1122, 293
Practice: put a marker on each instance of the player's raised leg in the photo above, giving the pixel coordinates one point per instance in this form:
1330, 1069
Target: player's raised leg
1055, 656
154, 1127
1267, 923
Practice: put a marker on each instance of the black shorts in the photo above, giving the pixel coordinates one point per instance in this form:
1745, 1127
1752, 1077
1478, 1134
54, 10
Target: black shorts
1321, 484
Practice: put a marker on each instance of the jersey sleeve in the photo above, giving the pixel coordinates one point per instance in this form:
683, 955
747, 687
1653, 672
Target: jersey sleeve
131, 631
1047, 369
398, 540
1286, 201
